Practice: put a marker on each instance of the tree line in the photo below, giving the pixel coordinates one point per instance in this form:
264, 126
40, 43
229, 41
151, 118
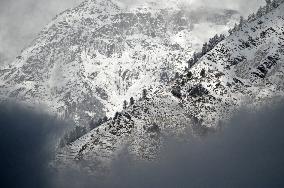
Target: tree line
208, 46
263, 10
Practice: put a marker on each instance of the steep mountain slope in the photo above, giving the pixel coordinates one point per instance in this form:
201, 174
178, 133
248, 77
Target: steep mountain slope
91, 58
246, 69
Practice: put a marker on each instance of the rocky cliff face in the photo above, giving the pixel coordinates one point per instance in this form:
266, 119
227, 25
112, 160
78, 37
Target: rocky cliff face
91, 58
246, 69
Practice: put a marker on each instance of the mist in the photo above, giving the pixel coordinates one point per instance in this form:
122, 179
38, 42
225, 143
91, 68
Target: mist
243, 6
22, 20
28, 140
248, 152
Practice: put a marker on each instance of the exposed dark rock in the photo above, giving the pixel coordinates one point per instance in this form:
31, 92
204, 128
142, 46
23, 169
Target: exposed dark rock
198, 91
176, 91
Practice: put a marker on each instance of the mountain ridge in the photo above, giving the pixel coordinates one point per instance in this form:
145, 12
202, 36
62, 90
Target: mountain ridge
90, 59
245, 69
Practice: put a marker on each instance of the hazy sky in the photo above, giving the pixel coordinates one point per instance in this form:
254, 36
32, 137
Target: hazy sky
21, 20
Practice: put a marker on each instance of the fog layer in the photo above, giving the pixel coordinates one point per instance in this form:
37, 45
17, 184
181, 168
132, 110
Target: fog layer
246, 153
27, 145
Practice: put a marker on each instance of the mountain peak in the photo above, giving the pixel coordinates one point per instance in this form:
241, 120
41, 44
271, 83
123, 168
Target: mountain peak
245, 69
90, 59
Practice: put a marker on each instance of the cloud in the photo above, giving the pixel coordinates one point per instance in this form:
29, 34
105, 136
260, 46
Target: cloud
247, 153
21, 20
27, 144
243, 6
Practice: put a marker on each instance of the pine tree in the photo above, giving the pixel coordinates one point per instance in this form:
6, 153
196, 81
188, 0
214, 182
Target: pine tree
236, 28
210, 43
176, 76
230, 31
176, 91
190, 63
105, 119
195, 59
251, 17
268, 2
204, 48
131, 101
215, 40
241, 22
221, 38
259, 12
189, 75
125, 104
144, 94
202, 73
117, 114
268, 6
274, 4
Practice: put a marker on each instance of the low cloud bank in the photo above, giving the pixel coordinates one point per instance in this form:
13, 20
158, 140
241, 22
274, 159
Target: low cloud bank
27, 144
246, 153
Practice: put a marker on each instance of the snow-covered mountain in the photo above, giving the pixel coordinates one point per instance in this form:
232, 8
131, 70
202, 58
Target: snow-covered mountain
90, 59
246, 69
